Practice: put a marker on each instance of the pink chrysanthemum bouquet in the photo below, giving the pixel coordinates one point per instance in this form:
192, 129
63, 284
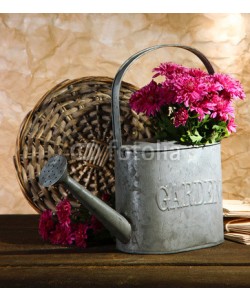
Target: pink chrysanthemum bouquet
66, 226
190, 106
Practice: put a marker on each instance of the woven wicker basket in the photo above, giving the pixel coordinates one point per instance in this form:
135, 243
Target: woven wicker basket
74, 119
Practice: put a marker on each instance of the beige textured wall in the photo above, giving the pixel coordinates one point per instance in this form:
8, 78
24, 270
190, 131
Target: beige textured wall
39, 50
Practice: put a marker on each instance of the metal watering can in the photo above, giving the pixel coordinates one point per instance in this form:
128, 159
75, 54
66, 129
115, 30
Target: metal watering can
168, 196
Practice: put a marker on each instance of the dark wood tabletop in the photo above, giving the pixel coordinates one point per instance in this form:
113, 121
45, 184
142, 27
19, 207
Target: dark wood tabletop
27, 261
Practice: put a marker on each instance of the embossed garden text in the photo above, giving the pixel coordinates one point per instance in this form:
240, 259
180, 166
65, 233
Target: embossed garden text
173, 196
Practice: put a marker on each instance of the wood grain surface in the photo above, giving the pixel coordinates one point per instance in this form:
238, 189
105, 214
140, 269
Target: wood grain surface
26, 261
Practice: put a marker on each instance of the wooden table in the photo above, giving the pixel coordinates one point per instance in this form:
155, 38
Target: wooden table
26, 261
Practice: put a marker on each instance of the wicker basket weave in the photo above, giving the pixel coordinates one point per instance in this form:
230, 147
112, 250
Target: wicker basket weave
74, 119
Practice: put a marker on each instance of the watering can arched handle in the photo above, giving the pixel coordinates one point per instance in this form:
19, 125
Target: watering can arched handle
116, 86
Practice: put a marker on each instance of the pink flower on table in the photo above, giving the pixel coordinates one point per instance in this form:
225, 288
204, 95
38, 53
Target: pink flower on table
61, 235
80, 234
147, 100
180, 117
46, 224
63, 210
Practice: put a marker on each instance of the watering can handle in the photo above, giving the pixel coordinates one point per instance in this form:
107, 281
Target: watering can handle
116, 86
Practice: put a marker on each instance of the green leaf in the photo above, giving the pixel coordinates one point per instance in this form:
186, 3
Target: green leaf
195, 137
195, 132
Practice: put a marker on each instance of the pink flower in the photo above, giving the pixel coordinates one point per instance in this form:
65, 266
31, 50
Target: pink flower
200, 111
222, 109
166, 93
147, 100
188, 85
202, 108
197, 72
80, 234
202, 95
61, 235
172, 70
46, 224
180, 117
230, 85
231, 126
188, 89
210, 84
169, 70
63, 210
61, 230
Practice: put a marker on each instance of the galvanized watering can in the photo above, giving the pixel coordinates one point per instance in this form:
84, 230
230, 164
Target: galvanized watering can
168, 196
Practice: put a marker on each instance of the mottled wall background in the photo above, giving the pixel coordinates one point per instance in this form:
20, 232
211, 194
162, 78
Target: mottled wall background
39, 50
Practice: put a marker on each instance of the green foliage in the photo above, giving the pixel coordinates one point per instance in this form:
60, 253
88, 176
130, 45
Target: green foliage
195, 132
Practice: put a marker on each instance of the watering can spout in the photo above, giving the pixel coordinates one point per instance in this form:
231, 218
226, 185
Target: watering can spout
55, 172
